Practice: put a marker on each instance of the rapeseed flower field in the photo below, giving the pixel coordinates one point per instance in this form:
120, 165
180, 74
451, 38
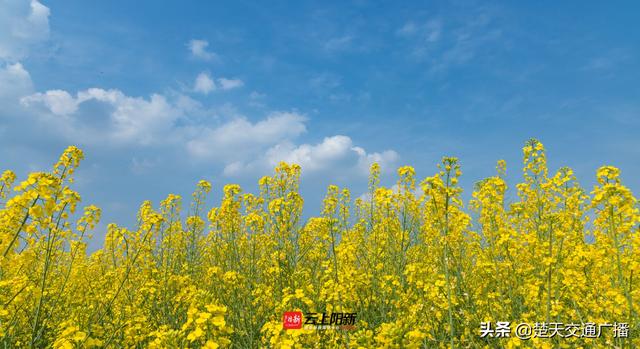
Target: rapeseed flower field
418, 266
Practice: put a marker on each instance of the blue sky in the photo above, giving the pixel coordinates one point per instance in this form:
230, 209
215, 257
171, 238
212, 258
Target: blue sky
161, 94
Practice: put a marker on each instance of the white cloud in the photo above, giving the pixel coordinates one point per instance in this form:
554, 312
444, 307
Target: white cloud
313, 157
59, 102
248, 148
128, 119
199, 50
240, 137
334, 157
228, 84
15, 82
105, 117
22, 24
204, 84
238, 145
333, 153
386, 159
408, 29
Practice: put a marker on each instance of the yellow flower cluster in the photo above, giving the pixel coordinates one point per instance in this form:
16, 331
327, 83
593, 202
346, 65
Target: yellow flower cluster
418, 266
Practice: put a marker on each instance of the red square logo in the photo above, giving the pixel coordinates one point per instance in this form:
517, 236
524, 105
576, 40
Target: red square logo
292, 320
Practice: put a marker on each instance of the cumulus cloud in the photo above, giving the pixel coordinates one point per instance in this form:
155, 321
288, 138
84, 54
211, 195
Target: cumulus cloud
335, 156
387, 159
204, 84
333, 152
127, 119
22, 24
240, 137
199, 50
152, 124
15, 82
58, 102
313, 157
239, 145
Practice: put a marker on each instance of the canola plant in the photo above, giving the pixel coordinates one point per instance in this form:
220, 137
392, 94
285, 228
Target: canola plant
415, 265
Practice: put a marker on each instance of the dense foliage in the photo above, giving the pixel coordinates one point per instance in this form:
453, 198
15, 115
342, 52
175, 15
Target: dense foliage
419, 266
